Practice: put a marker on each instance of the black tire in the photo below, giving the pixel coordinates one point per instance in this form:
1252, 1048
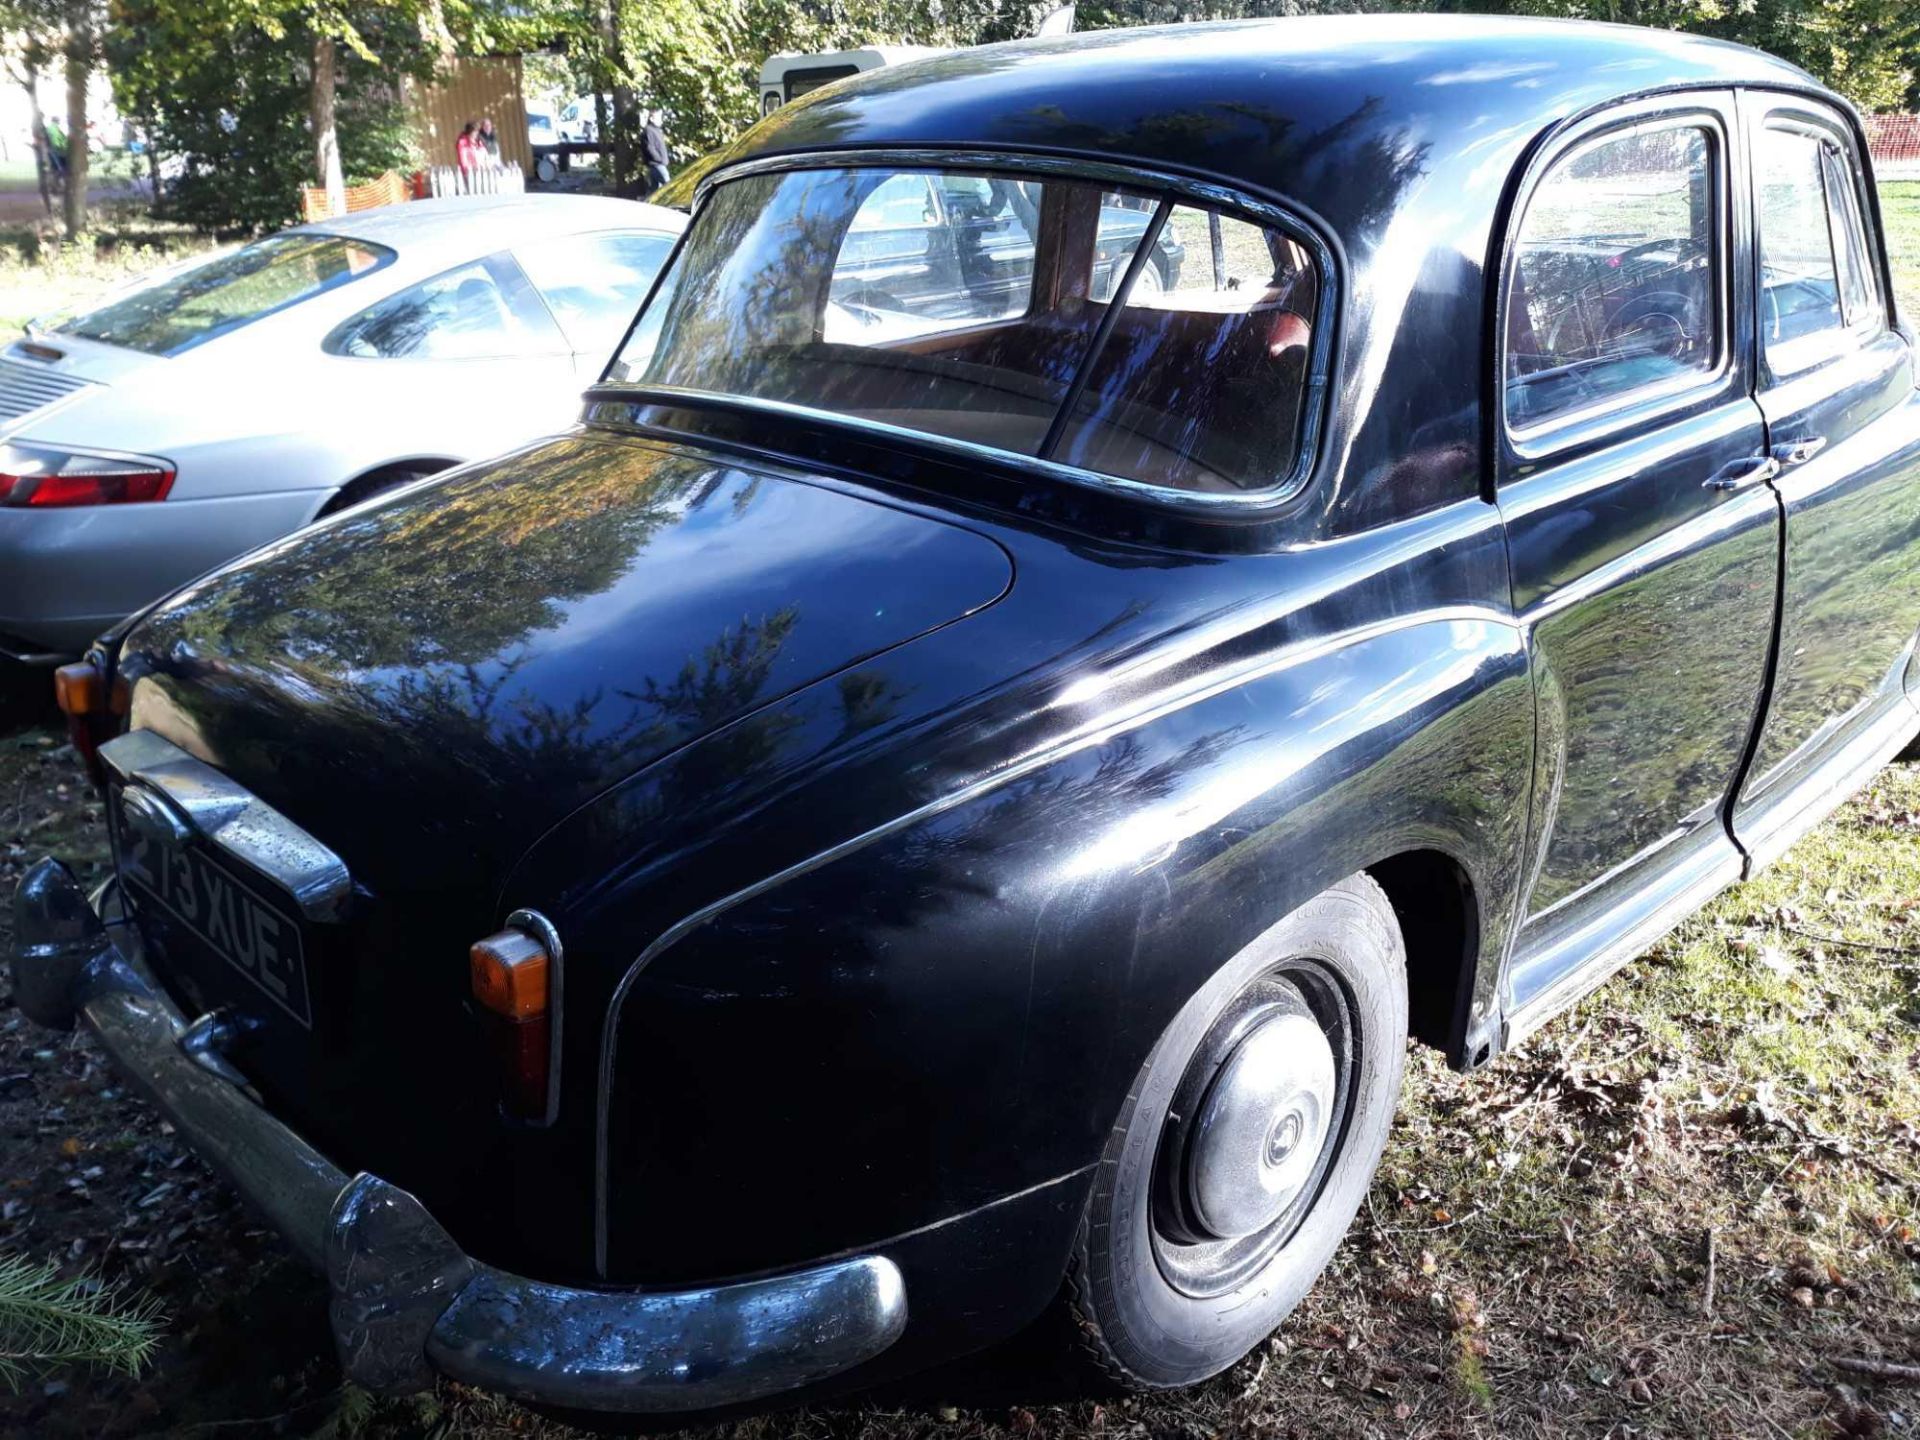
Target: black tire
1138, 1312
26, 697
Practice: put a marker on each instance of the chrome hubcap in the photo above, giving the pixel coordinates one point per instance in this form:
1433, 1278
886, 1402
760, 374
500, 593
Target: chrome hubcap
1259, 1132
1251, 1129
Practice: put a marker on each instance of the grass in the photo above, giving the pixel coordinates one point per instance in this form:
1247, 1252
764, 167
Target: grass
1900, 216
17, 171
41, 273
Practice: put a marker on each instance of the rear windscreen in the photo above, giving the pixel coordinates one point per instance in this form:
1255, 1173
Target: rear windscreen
198, 304
1113, 330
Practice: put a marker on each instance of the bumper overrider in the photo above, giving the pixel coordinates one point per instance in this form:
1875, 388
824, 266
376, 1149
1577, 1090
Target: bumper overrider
406, 1300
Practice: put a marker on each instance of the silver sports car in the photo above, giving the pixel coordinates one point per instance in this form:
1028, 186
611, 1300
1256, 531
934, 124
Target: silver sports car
224, 404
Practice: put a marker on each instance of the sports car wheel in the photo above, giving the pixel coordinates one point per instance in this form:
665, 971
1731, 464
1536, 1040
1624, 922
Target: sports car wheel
1245, 1145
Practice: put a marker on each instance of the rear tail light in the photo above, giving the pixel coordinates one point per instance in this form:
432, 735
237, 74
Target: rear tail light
48, 477
93, 701
516, 979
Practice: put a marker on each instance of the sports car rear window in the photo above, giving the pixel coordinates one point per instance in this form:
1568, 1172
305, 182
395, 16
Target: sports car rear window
208, 300
1107, 329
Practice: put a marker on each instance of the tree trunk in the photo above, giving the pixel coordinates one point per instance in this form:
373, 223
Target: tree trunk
326, 136
79, 67
622, 136
42, 165
153, 168
623, 128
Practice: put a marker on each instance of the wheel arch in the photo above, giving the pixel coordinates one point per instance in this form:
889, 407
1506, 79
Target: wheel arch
358, 487
1438, 907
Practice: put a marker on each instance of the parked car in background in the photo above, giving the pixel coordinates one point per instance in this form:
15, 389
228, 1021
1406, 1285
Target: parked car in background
892, 827
543, 128
579, 120
187, 420
934, 251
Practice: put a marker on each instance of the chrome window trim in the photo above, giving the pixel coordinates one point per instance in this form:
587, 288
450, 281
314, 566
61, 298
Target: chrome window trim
1796, 115
1316, 384
605, 402
1661, 399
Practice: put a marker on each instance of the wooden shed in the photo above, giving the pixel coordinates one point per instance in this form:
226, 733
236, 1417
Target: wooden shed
472, 89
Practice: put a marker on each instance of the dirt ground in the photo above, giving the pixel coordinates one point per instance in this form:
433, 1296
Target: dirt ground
1683, 1210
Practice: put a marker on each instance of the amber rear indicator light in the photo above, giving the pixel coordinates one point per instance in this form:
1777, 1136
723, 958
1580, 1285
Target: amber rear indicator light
79, 688
92, 704
511, 972
510, 975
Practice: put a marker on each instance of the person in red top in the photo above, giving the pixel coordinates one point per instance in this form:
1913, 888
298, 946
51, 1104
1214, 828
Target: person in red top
469, 151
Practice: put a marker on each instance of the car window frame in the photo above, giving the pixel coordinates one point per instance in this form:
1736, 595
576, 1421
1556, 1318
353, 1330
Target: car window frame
1794, 359
1318, 381
1659, 402
490, 262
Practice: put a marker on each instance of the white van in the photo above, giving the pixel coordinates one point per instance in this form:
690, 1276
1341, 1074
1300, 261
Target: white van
788, 77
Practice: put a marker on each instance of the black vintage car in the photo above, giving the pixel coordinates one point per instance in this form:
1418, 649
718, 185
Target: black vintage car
894, 825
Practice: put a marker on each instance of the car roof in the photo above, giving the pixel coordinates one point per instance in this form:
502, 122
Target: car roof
475, 224
1266, 104
1393, 139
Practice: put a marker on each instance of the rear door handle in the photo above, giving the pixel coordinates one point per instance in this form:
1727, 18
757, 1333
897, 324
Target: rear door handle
1798, 452
1744, 474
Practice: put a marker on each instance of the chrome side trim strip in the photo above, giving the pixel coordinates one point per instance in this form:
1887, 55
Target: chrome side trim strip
1770, 831
170, 791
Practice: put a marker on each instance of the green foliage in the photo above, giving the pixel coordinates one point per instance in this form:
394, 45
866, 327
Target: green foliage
230, 103
47, 1322
1868, 50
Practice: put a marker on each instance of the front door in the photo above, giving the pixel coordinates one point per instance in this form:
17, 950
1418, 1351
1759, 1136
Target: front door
1644, 538
1836, 385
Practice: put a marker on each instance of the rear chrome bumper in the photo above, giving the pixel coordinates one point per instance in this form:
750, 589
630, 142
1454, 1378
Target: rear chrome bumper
406, 1300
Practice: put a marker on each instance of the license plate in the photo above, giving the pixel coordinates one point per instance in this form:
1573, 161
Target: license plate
227, 915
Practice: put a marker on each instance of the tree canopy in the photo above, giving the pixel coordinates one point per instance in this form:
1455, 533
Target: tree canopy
235, 92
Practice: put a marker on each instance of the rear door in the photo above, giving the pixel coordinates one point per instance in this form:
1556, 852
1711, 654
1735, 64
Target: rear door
1643, 537
1837, 388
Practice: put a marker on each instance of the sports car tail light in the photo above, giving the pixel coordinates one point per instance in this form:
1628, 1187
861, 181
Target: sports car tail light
93, 704
46, 477
511, 973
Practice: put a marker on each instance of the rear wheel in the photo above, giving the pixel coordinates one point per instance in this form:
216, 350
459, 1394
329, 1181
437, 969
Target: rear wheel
1245, 1146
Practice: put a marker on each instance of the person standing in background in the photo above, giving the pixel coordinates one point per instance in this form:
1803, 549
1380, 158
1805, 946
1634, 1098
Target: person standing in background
56, 140
468, 152
490, 141
653, 150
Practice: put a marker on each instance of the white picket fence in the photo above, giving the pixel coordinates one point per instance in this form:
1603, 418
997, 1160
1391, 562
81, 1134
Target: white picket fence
446, 180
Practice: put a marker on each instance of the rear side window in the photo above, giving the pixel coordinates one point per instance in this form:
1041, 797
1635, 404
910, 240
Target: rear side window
1615, 278
211, 299
479, 311
595, 283
1001, 310
1816, 280
1200, 383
